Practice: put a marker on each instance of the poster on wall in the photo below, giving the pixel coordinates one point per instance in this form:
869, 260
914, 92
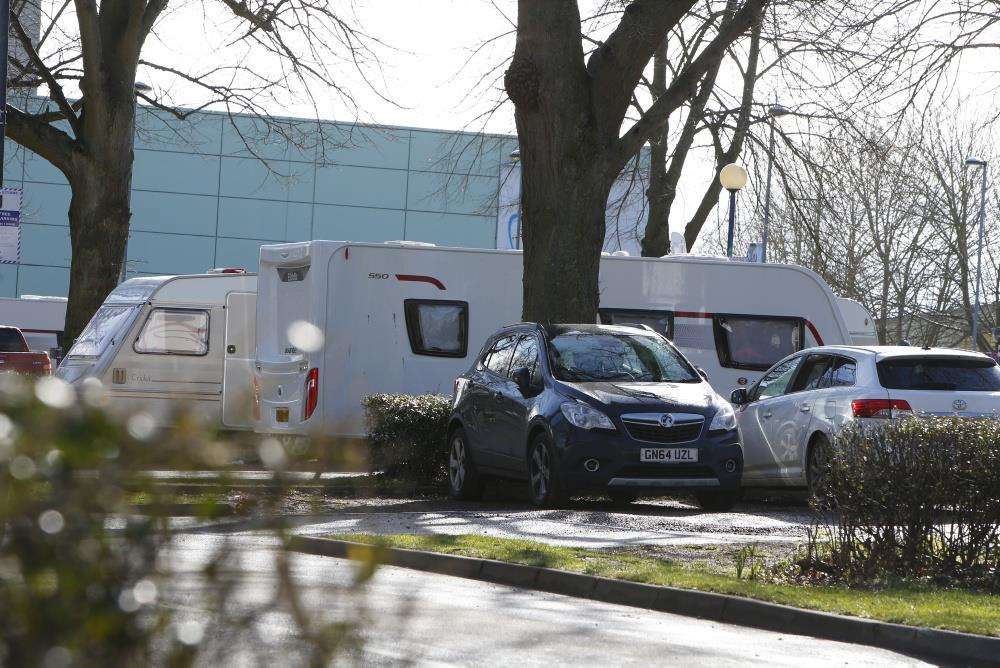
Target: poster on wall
625, 215
10, 225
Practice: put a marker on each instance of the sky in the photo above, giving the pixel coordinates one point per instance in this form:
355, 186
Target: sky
424, 63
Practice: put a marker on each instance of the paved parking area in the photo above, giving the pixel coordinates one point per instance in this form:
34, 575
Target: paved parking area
582, 524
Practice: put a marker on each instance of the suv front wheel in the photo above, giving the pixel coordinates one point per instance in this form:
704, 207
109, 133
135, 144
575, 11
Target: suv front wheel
543, 479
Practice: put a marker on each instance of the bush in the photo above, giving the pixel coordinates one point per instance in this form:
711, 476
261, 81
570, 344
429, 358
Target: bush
918, 497
407, 435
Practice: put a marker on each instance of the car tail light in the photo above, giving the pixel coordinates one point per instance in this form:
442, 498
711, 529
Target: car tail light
880, 408
47, 366
311, 393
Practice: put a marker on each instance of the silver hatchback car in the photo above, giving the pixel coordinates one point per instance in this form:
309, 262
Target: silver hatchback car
790, 416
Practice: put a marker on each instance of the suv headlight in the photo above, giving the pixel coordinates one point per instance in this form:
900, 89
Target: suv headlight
583, 416
725, 418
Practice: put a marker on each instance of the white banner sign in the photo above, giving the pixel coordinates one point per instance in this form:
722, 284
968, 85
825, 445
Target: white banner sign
10, 225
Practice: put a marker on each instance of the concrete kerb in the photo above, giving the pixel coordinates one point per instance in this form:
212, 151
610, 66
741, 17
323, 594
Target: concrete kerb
950, 646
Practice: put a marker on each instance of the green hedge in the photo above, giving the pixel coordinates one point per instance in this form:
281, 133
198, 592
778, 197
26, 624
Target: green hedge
917, 498
407, 435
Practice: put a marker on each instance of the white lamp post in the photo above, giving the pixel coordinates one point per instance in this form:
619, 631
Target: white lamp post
732, 177
978, 162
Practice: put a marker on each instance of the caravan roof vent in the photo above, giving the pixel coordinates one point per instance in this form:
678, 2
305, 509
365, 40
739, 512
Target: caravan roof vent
406, 242
227, 270
620, 253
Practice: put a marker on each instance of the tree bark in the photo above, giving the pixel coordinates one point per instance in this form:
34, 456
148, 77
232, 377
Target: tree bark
565, 192
99, 223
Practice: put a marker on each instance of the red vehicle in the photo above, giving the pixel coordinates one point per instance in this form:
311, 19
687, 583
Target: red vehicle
15, 357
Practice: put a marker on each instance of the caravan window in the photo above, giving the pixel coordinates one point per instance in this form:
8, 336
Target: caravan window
756, 342
437, 327
174, 331
109, 324
660, 321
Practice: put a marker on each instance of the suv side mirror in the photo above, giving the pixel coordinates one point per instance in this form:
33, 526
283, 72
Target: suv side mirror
739, 396
701, 372
522, 377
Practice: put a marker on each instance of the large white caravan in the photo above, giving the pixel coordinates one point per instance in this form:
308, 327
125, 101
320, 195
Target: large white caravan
164, 341
339, 320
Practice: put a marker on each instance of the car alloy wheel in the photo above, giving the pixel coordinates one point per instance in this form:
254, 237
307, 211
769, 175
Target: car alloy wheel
457, 464
817, 469
541, 472
463, 478
543, 479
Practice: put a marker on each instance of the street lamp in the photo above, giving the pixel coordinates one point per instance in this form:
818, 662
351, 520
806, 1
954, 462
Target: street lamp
732, 177
775, 111
978, 162
515, 156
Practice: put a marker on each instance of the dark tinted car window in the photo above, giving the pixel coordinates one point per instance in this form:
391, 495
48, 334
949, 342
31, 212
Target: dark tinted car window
940, 373
526, 355
10, 341
618, 356
499, 359
813, 371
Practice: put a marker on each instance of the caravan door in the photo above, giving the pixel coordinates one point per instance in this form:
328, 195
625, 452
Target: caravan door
240, 352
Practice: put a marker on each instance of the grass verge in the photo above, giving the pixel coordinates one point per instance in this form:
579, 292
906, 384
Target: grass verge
912, 604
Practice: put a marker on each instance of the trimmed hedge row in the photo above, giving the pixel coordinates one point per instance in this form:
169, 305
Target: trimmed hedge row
407, 436
917, 497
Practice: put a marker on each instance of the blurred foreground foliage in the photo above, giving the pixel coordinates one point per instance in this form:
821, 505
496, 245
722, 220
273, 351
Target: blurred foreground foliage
916, 499
85, 581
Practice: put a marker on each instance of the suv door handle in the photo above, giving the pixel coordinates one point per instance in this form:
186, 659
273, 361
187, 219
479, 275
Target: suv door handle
804, 408
767, 414
498, 396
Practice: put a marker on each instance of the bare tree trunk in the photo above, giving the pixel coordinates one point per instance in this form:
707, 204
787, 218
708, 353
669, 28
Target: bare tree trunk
99, 223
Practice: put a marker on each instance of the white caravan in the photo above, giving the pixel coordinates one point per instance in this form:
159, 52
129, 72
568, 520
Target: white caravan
860, 322
337, 320
40, 319
161, 342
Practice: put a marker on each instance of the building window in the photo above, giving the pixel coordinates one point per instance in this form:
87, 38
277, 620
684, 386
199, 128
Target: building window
174, 331
437, 327
661, 321
756, 342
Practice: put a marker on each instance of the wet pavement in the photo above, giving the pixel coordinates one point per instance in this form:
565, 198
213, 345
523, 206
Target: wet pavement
582, 524
409, 617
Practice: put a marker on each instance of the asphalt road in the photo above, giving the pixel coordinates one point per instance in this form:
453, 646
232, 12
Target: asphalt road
425, 619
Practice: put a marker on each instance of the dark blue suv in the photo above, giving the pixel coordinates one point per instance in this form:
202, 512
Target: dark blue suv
592, 408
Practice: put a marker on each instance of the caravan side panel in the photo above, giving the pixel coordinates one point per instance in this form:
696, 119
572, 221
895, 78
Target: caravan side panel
368, 337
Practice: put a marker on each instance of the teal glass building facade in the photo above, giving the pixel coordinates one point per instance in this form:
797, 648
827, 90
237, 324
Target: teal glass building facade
209, 191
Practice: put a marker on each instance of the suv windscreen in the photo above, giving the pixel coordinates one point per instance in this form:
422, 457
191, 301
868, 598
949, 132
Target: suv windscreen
594, 357
953, 374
